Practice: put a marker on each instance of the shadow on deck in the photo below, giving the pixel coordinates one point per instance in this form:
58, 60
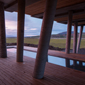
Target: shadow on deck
14, 73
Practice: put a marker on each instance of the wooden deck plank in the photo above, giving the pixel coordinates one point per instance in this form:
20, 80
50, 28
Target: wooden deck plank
14, 73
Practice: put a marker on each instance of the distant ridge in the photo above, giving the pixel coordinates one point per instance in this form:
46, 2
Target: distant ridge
59, 35
65, 33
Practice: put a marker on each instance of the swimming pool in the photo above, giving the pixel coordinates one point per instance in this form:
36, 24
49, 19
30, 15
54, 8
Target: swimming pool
51, 59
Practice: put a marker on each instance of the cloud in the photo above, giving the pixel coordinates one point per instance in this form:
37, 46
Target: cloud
32, 25
12, 32
57, 28
11, 24
33, 29
29, 35
11, 16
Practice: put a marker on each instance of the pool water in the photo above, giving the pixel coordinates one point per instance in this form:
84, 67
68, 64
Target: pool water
51, 59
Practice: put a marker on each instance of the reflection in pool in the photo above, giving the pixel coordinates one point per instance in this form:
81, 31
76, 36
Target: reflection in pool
51, 59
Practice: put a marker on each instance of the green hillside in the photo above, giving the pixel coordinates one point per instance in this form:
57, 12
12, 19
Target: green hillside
54, 42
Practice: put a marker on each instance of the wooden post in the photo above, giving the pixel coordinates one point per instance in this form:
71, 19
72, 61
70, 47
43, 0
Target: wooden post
3, 51
79, 42
68, 36
75, 42
20, 30
45, 35
79, 39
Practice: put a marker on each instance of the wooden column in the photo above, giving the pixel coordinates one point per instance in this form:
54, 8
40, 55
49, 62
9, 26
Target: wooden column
75, 41
79, 42
79, 39
68, 36
44, 39
3, 51
20, 30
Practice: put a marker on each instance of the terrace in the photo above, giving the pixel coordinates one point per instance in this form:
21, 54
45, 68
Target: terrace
18, 70
16, 73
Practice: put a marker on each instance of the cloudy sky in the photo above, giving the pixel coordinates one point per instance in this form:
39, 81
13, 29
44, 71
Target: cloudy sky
32, 25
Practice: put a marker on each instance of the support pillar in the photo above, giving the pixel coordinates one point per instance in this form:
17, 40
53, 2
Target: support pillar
75, 42
68, 36
45, 35
79, 42
20, 30
3, 51
79, 39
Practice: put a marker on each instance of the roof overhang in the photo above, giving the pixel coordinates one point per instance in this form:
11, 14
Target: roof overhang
36, 9
12, 5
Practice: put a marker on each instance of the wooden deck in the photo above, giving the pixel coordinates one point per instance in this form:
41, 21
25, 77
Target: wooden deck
14, 73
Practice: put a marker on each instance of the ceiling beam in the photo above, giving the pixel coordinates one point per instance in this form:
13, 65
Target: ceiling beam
77, 9
80, 22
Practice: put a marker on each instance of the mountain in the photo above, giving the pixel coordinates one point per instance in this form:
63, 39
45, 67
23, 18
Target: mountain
61, 35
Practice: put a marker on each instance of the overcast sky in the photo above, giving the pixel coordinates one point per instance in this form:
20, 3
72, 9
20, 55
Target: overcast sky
32, 25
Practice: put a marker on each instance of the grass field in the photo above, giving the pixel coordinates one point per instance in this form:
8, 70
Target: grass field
54, 42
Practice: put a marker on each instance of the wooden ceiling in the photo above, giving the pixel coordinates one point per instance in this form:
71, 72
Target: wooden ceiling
36, 9
39, 6
62, 8
6, 2
13, 4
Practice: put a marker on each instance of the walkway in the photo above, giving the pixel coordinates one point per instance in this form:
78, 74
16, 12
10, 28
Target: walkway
13, 73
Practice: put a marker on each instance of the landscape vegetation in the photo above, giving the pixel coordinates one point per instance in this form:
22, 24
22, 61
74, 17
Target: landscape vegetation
57, 40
